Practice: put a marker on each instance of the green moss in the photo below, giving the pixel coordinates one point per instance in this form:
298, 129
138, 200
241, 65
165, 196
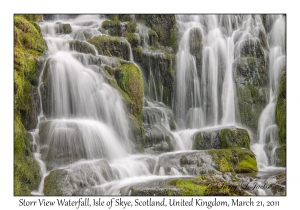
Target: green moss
28, 43
133, 39
28, 36
130, 80
206, 185
66, 28
234, 160
32, 17
26, 169
111, 46
247, 164
234, 138
131, 27
281, 156
164, 26
198, 139
113, 26
188, 187
281, 110
26, 174
153, 38
52, 185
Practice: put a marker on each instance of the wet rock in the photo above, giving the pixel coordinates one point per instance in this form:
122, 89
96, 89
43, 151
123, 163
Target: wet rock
111, 46
113, 27
281, 121
221, 139
82, 47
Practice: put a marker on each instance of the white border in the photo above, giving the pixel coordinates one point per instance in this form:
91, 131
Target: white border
8, 8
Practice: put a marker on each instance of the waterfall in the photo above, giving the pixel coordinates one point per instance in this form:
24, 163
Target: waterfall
206, 94
84, 131
268, 140
205, 91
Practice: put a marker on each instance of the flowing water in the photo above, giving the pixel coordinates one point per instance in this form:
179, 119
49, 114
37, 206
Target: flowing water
83, 129
268, 140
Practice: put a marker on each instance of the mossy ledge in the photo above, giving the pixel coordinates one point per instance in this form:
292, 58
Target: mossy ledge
111, 46
206, 185
226, 138
234, 160
28, 45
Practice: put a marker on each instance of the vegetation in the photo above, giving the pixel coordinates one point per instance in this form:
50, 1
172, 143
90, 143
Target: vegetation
281, 120
28, 44
234, 160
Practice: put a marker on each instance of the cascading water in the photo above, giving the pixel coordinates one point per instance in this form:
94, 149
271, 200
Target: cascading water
268, 140
83, 129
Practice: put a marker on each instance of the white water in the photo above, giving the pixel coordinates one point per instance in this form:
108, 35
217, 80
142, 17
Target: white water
213, 96
84, 128
267, 128
212, 100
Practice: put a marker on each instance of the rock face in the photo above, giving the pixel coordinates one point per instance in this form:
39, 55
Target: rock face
222, 139
159, 76
111, 46
82, 47
164, 26
251, 78
281, 121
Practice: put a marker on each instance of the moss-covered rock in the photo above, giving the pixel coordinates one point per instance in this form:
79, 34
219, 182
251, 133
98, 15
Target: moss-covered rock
207, 185
111, 46
251, 85
113, 27
28, 45
138, 133
157, 66
28, 36
221, 139
26, 169
131, 27
164, 26
251, 77
129, 78
234, 138
66, 28
281, 121
133, 39
52, 183
234, 160
82, 47
281, 109
153, 38
195, 43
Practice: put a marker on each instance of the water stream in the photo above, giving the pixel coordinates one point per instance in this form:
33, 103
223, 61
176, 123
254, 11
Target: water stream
83, 128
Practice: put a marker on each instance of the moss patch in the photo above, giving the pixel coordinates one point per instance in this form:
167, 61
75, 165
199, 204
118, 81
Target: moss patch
281, 109
26, 169
164, 26
206, 185
133, 39
234, 160
131, 27
52, 184
189, 187
113, 26
130, 80
281, 156
234, 138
